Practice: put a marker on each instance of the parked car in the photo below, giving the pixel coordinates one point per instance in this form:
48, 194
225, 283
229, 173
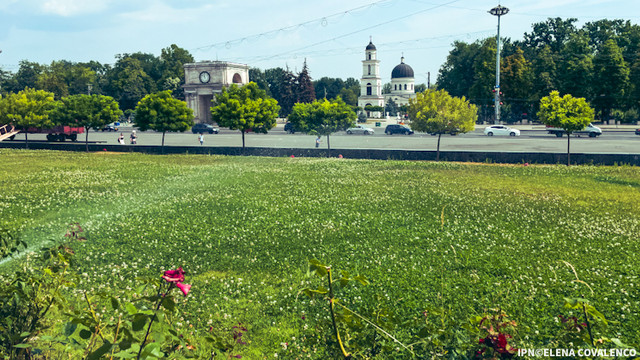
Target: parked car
288, 127
360, 129
637, 131
204, 128
501, 130
398, 129
109, 128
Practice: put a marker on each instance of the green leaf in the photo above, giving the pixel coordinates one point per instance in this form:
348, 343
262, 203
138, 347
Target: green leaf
138, 322
85, 334
131, 309
22, 346
125, 354
105, 348
317, 267
152, 349
362, 280
169, 303
115, 304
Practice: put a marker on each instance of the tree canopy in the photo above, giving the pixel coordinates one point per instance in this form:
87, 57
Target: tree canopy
437, 112
88, 111
245, 108
28, 108
161, 112
595, 61
566, 112
322, 117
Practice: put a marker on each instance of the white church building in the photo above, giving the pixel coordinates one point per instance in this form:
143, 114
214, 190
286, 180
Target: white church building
402, 82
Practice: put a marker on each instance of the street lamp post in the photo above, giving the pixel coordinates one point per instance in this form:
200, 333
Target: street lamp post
498, 11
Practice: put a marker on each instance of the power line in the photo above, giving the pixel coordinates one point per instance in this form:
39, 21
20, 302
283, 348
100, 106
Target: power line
356, 50
322, 20
361, 30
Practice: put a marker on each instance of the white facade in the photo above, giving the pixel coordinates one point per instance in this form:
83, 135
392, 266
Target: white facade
371, 83
402, 84
206, 78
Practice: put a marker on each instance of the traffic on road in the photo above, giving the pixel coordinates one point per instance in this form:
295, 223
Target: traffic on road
621, 139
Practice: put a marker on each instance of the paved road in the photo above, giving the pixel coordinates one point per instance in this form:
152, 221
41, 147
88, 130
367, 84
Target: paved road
620, 140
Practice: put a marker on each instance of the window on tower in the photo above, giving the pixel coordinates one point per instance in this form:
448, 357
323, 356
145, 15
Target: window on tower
405, 86
369, 56
369, 69
369, 89
395, 87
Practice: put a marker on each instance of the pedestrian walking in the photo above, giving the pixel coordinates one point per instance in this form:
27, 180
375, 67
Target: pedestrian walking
121, 139
318, 141
133, 137
201, 139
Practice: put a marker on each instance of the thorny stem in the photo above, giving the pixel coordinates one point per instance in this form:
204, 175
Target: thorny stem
154, 317
333, 316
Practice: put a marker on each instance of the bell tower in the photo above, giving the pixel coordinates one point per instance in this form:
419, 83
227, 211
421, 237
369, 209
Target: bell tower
371, 83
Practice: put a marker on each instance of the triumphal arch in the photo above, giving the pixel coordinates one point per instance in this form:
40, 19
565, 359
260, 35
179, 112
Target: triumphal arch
203, 79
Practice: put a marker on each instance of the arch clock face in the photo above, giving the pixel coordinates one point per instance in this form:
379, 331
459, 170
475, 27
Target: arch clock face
205, 77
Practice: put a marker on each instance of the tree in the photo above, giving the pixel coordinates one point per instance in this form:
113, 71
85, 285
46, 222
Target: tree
305, 91
516, 83
89, 111
128, 82
552, 33
611, 78
288, 95
575, 75
172, 60
437, 112
245, 108
457, 73
28, 108
568, 113
391, 107
161, 112
322, 117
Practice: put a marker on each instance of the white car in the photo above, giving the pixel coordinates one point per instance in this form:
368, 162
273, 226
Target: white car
501, 130
360, 129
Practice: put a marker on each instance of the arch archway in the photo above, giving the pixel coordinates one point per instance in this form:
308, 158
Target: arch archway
237, 79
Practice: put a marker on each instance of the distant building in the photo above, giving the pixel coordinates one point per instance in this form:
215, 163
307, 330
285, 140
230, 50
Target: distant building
202, 80
402, 84
371, 83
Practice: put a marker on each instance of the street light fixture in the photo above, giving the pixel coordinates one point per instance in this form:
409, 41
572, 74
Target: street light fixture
498, 11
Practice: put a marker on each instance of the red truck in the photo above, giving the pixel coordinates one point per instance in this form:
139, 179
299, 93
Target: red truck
57, 133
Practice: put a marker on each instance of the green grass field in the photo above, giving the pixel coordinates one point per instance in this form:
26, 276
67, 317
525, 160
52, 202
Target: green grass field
460, 238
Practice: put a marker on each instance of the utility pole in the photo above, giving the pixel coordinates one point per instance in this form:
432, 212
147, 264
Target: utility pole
89, 87
498, 11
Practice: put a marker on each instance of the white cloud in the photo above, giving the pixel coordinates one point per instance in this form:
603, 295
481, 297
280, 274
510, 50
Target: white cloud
73, 7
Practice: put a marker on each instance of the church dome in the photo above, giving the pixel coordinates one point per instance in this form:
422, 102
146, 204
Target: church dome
402, 70
370, 46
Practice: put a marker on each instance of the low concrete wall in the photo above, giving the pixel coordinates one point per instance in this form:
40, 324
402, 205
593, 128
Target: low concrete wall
378, 154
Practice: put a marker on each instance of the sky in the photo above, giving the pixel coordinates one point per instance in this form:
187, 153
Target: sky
330, 34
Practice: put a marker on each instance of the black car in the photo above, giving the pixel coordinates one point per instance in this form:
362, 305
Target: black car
288, 127
204, 128
637, 131
397, 129
109, 128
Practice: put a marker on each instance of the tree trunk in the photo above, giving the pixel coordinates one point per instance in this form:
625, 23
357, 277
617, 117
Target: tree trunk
568, 149
86, 138
438, 148
26, 139
328, 146
242, 141
162, 148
